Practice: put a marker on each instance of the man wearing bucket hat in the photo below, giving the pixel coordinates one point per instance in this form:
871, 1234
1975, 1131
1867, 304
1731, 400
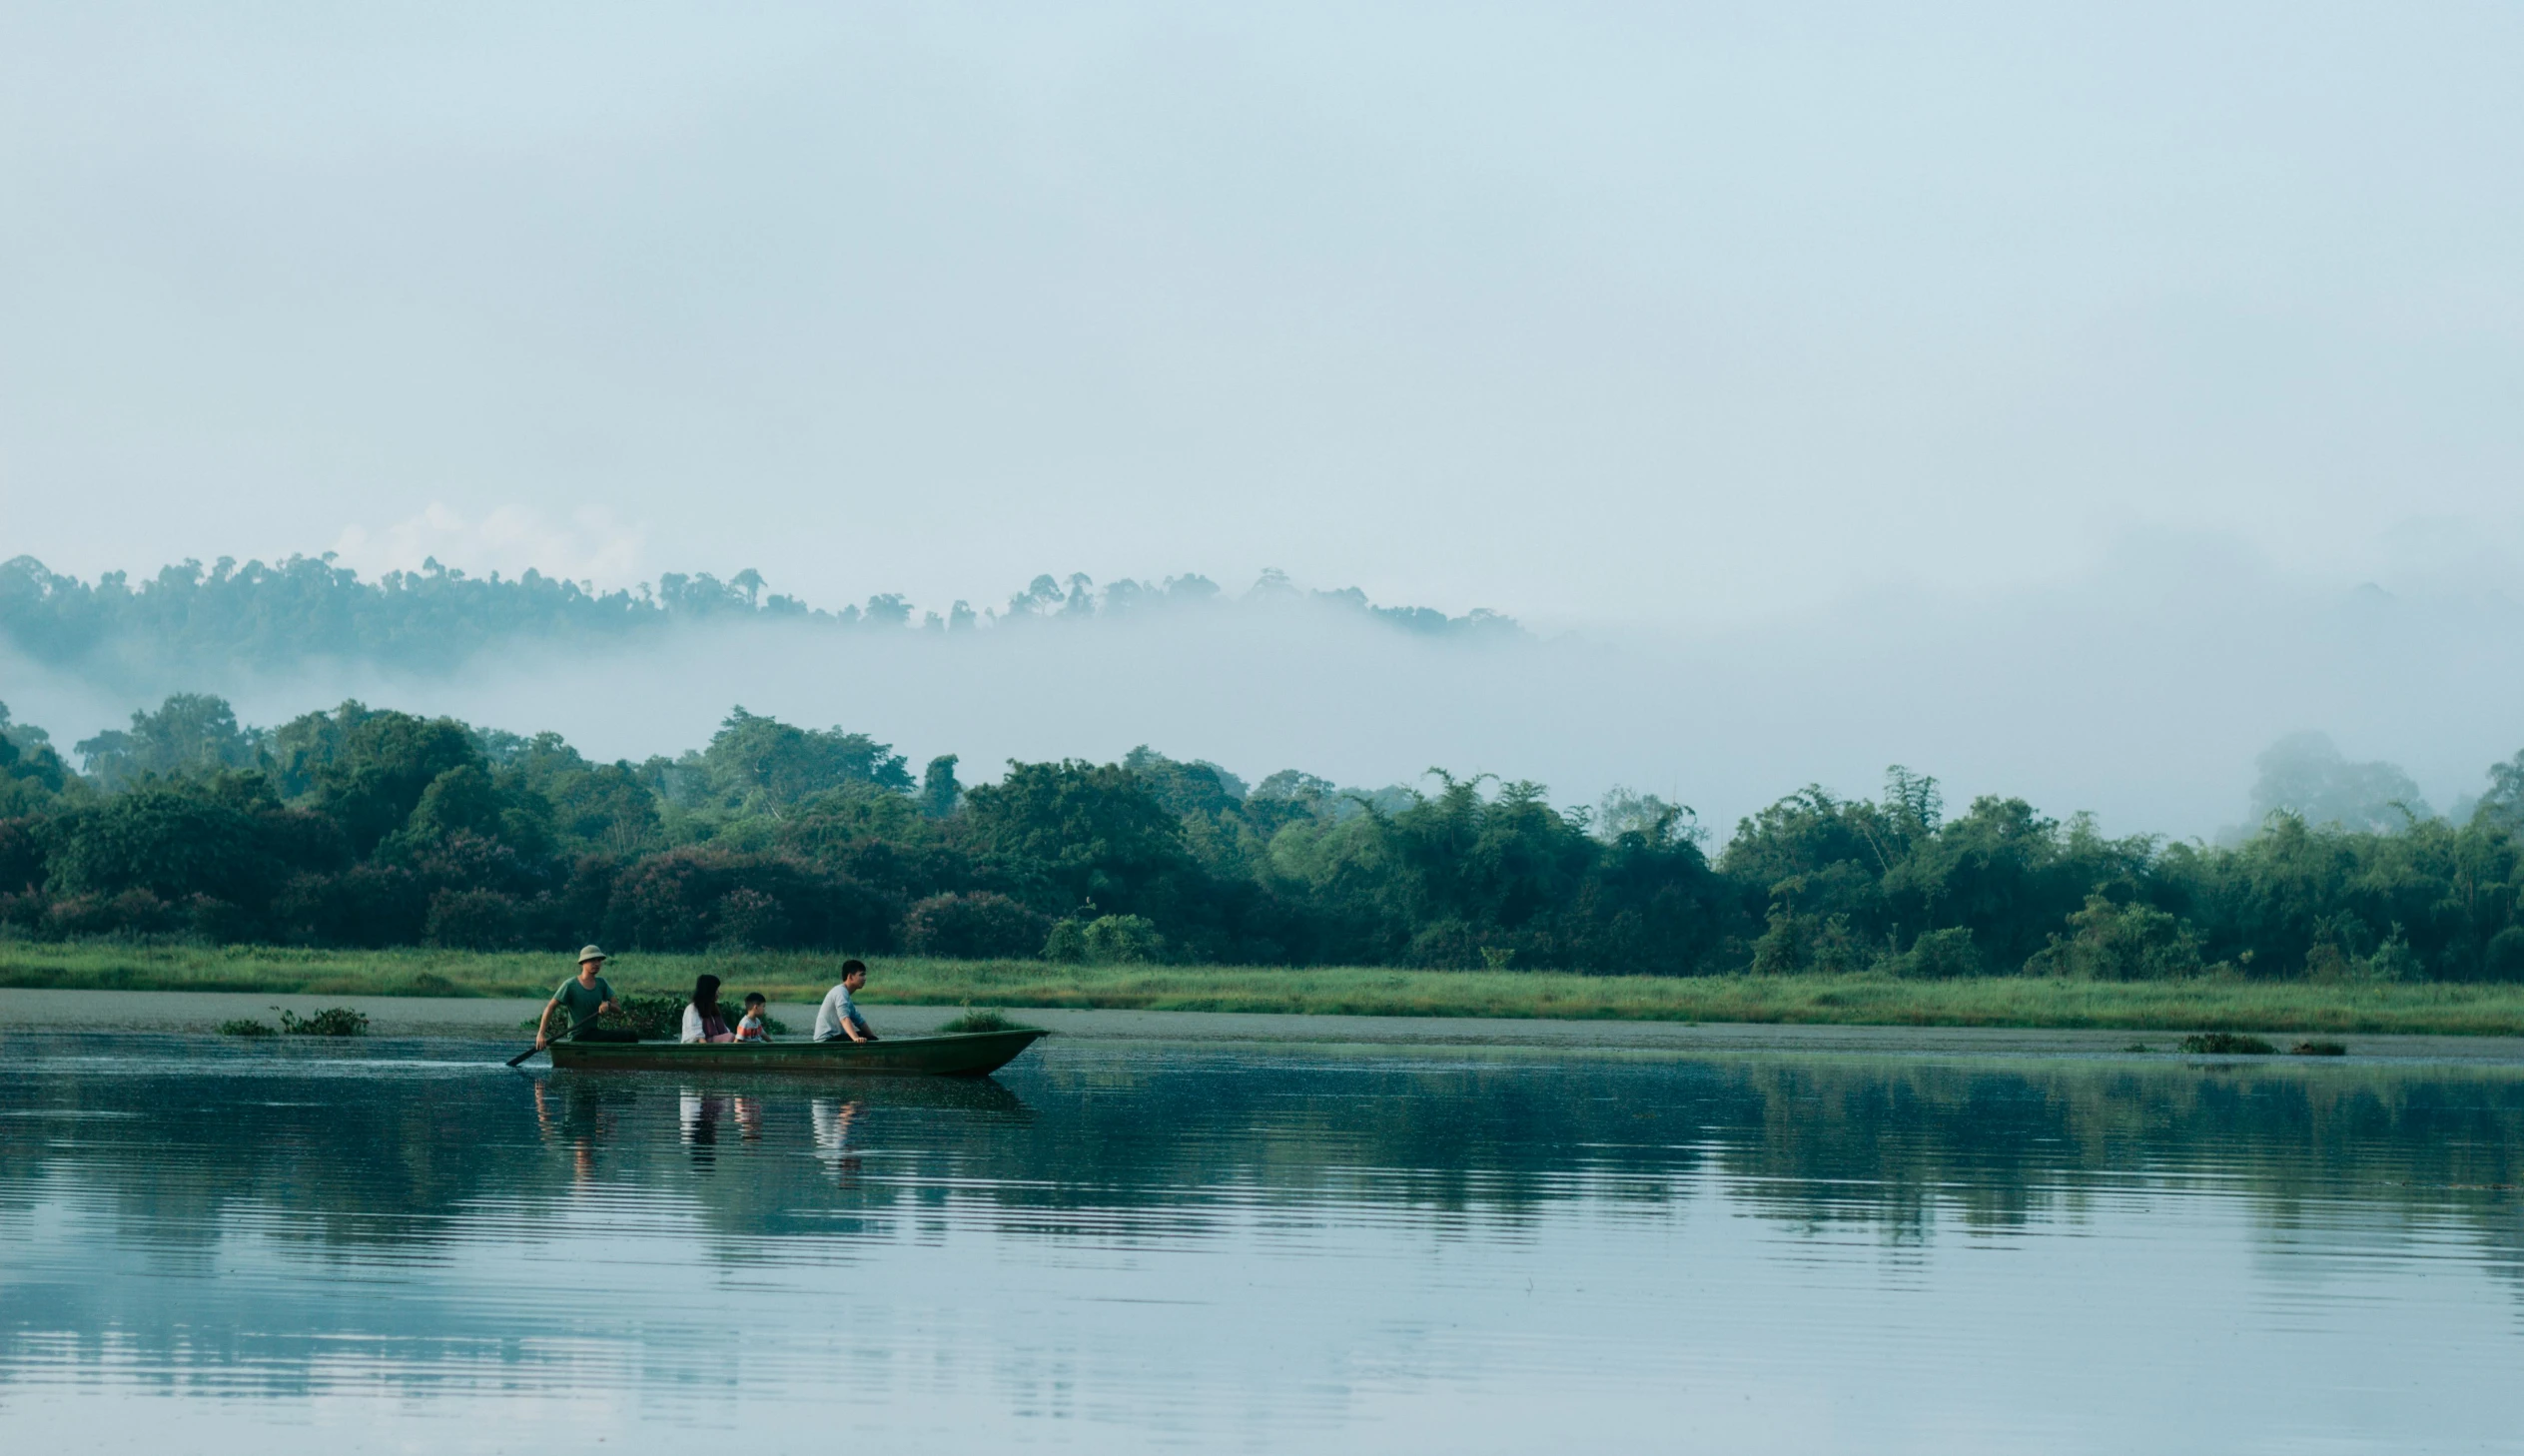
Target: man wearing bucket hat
581, 999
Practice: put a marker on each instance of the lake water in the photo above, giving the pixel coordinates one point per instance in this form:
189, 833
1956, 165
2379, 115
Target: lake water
1117, 1245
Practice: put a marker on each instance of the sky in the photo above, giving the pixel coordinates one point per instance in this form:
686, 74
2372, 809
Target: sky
1735, 340
1589, 312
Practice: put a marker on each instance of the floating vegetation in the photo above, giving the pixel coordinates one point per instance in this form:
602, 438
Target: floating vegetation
2227, 1043
985, 1020
246, 1026
333, 1021
2317, 1048
656, 1016
653, 1016
2137, 1047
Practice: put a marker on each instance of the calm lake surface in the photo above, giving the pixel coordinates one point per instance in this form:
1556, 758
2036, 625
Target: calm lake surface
1117, 1245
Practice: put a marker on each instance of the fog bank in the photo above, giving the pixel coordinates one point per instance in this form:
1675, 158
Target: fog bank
2143, 692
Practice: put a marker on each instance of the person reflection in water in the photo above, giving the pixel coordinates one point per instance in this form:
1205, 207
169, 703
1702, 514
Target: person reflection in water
576, 1122
700, 1117
832, 1133
702, 1020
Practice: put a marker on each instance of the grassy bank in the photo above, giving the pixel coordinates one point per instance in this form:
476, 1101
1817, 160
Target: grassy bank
2204, 1004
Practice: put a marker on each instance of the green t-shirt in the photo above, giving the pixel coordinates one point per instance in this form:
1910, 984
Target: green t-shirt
579, 1001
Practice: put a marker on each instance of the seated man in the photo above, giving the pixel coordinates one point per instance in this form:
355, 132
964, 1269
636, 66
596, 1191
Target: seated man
838, 1018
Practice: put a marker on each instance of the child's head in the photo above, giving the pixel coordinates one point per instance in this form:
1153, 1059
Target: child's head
854, 974
754, 1002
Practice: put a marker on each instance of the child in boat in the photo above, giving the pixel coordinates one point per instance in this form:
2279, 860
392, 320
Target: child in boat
749, 1027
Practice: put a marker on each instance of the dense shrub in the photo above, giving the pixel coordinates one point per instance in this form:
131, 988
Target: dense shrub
365, 906
132, 912
747, 919
476, 920
1108, 939
22, 862
2116, 942
687, 900
975, 924
1940, 954
170, 845
2503, 958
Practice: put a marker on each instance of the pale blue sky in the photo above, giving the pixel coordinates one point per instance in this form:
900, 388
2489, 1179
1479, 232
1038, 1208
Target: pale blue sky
1594, 314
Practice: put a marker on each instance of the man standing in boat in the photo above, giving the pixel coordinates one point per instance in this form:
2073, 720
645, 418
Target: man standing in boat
582, 998
838, 1019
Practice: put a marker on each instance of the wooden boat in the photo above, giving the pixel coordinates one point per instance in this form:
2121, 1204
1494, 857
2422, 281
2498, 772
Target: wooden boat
963, 1053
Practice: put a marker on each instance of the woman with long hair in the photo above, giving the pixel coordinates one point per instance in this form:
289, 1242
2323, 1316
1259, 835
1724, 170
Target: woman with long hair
702, 1020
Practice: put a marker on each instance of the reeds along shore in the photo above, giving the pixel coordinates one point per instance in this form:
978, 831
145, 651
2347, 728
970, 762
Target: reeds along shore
2195, 1003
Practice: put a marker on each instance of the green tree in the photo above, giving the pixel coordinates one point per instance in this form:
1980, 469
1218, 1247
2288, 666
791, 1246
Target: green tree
1195, 789
188, 734
604, 807
1096, 831
171, 843
385, 763
756, 764
939, 792
32, 774
303, 747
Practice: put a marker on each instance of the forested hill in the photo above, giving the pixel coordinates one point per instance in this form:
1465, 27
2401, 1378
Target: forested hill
361, 826
437, 618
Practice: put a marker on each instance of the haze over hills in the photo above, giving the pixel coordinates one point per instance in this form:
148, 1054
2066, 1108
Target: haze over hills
189, 619
2147, 693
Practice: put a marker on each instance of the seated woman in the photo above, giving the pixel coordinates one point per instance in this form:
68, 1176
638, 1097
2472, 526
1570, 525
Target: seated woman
702, 1020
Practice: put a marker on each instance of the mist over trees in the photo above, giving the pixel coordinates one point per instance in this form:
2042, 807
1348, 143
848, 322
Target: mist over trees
2306, 774
372, 826
438, 618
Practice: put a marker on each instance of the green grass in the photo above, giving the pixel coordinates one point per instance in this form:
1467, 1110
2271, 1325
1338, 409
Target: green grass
2187, 1005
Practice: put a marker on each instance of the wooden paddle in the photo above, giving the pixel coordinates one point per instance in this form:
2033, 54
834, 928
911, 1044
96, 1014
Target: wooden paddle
521, 1058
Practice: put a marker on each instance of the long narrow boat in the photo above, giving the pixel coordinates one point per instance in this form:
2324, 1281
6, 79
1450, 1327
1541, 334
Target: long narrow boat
965, 1054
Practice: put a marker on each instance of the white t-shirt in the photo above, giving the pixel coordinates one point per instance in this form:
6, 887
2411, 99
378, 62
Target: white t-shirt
838, 1010
692, 1024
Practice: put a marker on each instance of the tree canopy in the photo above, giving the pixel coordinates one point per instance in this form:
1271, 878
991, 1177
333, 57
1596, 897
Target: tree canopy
362, 825
188, 617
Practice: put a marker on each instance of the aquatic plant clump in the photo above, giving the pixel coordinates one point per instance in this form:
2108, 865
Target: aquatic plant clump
656, 1015
244, 1026
2227, 1043
652, 1014
333, 1021
985, 1020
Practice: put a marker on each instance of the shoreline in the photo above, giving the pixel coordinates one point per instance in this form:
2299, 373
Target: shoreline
2129, 1009
494, 1020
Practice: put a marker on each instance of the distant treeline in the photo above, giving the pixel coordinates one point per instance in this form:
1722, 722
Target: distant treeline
359, 827
436, 618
